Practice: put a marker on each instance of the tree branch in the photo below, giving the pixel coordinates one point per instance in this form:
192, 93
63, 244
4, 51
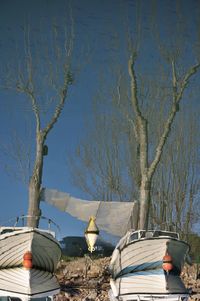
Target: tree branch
57, 112
167, 127
174, 80
141, 122
21, 88
67, 78
186, 78
134, 97
35, 110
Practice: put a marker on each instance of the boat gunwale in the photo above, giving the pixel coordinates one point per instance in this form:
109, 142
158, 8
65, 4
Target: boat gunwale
26, 230
152, 238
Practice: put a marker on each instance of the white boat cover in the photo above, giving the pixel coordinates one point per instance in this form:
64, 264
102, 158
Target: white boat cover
113, 217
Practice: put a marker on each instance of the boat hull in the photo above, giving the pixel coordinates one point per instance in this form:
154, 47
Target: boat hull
148, 297
145, 284
45, 249
26, 284
147, 254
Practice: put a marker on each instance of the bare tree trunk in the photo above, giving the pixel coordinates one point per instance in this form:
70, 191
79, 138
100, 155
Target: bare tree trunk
148, 169
35, 184
145, 197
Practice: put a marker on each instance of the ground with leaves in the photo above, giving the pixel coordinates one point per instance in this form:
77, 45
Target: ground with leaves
86, 279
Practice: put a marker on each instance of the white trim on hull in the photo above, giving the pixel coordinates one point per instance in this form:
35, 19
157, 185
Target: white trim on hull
26, 284
147, 254
148, 297
44, 247
147, 284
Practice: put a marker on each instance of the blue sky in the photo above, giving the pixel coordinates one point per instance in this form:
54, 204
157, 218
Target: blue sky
94, 25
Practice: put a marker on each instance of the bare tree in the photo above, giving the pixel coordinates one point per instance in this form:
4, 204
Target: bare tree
148, 168
41, 71
153, 102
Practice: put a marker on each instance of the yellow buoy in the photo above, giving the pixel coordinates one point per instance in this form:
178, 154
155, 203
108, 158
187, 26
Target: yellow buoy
91, 234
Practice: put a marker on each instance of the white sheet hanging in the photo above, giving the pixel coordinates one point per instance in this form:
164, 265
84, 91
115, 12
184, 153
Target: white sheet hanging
113, 217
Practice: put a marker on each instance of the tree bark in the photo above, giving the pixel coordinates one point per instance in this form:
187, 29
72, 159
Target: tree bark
34, 211
145, 197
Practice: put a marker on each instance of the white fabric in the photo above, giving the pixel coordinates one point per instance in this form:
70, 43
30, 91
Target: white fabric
113, 217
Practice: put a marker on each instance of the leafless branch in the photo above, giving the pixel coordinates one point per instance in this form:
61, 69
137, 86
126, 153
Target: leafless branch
172, 114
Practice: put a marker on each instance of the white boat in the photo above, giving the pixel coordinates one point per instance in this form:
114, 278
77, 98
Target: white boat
22, 284
148, 285
144, 250
16, 241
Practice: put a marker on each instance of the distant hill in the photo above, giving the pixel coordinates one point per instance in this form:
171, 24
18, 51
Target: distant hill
77, 246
